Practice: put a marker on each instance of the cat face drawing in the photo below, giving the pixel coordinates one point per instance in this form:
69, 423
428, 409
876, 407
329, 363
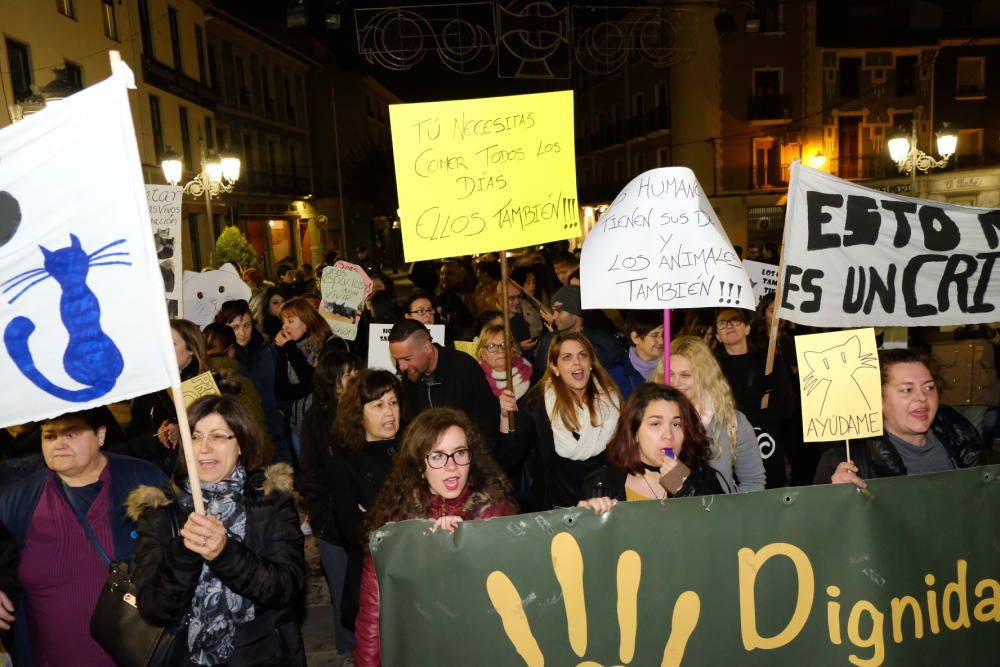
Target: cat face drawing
204, 293
833, 369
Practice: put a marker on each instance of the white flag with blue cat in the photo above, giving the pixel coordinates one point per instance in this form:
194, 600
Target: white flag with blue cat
82, 315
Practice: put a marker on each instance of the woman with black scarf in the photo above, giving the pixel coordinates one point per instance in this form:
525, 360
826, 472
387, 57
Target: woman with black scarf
228, 581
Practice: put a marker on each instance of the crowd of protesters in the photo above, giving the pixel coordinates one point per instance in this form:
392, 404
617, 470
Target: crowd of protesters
588, 417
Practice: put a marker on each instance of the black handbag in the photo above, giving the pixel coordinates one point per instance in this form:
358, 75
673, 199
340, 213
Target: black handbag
116, 625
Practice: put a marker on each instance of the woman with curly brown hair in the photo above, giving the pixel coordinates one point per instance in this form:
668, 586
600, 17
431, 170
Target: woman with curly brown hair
660, 449
444, 473
364, 431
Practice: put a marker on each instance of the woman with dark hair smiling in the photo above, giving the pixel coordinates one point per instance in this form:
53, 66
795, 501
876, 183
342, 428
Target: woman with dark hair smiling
368, 420
660, 449
443, 473
230, 581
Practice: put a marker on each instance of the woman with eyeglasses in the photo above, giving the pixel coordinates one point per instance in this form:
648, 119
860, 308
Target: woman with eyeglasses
491, 353
562, 425
420, 307
364, 437
443, 473
735, 453
659, 450
744, 365
228, 581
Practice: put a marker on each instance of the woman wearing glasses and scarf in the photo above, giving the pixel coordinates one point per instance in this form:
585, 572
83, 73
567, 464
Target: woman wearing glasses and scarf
228, 581
443, 473
491, 353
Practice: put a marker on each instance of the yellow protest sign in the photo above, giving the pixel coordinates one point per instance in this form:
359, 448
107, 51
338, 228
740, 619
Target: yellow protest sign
840, 384
485, 174
198, 386
467, 346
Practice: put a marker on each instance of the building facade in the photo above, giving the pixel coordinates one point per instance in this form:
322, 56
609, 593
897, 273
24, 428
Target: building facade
263, 116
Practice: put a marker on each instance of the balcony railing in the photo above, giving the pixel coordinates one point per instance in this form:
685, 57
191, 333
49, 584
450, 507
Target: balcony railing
167, 78
769, 107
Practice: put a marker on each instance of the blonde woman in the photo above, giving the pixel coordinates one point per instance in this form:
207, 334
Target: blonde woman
695, 371
491, 354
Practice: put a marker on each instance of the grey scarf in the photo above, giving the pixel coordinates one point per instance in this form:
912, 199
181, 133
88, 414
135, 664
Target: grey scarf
216, 610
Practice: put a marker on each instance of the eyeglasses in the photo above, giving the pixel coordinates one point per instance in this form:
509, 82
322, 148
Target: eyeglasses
495, 347
655, 335
437, 460
725, 324
213, 438
420, 311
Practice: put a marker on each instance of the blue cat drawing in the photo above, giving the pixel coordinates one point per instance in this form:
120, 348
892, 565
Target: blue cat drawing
91, 357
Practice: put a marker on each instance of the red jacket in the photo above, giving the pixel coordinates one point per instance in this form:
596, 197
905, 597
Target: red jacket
367, 652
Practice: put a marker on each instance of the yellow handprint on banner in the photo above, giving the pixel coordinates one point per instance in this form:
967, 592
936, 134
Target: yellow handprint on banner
567, 562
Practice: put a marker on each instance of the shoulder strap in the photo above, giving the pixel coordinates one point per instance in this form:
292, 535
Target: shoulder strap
86, 525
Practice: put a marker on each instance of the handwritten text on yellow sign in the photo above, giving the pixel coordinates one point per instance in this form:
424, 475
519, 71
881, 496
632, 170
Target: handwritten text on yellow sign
485, 174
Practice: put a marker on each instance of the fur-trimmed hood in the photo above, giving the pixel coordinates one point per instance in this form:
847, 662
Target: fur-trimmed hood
278, 477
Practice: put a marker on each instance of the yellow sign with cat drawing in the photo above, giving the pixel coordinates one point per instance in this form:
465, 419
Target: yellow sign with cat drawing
840, 384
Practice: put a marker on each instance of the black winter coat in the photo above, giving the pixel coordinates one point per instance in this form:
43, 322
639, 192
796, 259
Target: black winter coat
529, 457
609, 481
876, 457
457, 382
314, 480
267, 567
358, 476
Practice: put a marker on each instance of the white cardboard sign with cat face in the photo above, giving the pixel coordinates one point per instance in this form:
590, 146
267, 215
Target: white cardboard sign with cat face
840, 384
660, 245
205, 292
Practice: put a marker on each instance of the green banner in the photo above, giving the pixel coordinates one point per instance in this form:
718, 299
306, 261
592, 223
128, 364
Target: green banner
903, 574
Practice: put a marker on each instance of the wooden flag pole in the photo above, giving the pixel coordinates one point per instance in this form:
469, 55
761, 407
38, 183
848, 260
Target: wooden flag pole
772, 338
191, 463
524, 293
183, 425
508, 344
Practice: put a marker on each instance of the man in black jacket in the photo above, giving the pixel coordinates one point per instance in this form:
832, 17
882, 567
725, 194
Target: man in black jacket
919, 435
440, 377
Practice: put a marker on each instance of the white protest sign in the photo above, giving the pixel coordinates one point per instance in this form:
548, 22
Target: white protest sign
81, 307
205, 292
763, 278
660, 245
165, 215
378, 344
344, 287
860, 257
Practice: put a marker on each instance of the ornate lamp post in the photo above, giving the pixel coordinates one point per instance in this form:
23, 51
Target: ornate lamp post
218, 175
910, 159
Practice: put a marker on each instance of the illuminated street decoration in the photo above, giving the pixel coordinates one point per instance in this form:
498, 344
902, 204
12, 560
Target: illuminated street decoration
524, 39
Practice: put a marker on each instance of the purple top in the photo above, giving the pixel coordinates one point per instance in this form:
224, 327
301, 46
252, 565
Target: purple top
62, 575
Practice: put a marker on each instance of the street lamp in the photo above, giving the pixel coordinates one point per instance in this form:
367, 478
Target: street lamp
218, 175
909, 159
